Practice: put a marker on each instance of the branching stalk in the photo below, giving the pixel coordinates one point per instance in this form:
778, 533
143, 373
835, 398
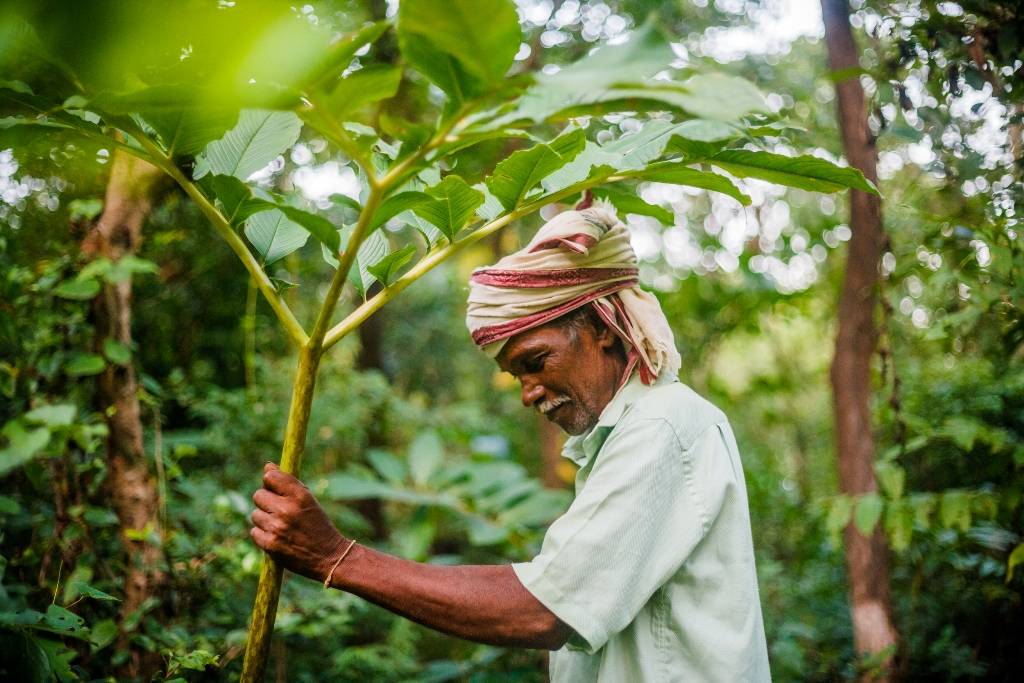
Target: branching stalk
223, 228
436, 258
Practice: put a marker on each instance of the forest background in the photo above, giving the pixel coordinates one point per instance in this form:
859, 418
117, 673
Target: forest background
417, 445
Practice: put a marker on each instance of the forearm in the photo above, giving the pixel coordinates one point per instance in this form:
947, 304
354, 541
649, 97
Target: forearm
483, 603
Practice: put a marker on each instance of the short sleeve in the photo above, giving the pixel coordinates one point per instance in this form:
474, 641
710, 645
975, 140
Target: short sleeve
645, 506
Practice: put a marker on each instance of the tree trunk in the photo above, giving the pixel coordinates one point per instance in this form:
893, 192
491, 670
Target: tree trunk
131, 190
866, 557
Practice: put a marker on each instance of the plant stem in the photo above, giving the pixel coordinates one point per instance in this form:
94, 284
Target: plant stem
223, 228
268, 591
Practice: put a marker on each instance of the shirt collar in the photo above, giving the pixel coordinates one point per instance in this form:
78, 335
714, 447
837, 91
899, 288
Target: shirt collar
582, 447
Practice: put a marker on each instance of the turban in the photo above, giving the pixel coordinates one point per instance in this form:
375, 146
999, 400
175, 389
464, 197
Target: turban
576, 259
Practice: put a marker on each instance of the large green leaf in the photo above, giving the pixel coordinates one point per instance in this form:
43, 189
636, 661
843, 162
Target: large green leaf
187, 131
258, 138
460, 44
629, 152
712, 96
591, 79
396, 204
678, 174
454, 203
628, 201
514, 177
387, 268
803, 172
377, 82
238, 204
274, 235
373, 250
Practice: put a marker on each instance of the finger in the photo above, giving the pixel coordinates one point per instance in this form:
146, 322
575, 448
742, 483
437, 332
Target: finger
265, 500
261, 538
281, 483
263, 520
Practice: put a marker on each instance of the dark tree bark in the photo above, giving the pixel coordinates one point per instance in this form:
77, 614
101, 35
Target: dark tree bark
866, 557
131, 191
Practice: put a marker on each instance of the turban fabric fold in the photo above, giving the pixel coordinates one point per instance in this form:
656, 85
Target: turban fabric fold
578, 258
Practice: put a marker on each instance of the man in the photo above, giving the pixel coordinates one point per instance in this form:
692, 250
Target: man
649, 576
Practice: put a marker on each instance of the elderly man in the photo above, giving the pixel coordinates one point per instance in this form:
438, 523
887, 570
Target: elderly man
649, 576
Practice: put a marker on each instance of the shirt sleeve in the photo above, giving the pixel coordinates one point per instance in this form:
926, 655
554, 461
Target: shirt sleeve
645, 506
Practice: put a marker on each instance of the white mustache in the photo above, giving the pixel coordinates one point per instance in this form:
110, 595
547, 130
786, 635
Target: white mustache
546, 407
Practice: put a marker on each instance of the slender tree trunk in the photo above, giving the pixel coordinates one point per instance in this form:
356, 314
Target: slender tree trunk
131, 190
866, 557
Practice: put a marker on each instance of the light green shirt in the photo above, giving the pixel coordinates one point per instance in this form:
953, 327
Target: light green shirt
652, 566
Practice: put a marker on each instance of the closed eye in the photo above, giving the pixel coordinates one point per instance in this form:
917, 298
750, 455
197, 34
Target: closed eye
535, 364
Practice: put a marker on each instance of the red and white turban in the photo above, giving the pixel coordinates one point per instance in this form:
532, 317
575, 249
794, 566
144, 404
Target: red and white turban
577, 258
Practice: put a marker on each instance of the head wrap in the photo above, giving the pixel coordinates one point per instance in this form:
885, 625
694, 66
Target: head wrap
577, 258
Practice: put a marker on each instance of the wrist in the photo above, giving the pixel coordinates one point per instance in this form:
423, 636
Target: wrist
342, 552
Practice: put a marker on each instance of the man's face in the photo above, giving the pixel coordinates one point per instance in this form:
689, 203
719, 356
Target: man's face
569, 380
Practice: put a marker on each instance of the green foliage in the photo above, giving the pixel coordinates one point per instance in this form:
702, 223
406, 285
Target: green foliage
415, 451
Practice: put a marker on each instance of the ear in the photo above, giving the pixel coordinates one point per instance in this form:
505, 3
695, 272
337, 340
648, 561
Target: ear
606, 339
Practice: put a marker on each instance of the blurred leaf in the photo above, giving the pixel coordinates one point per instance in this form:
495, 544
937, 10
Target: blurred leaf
341, 53
370, 84
867, 512
387, 465
464, 47
840, 509
514, 177
22, 445
892, 477
258, 138
274, 235
102, 634
590, 79
955, 510
425, 456
56, 415
899, 524
1016, 558
78, 289
963, 430
453, 204
83, 364
482, 531
116, 352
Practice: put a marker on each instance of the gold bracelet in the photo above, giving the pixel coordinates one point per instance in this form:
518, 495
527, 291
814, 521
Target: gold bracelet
327, 581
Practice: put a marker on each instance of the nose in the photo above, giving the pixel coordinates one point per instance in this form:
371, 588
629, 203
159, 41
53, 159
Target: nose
532, 392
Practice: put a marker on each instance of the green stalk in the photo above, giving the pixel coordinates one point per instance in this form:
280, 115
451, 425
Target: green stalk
436, 258
223, 228
268, 591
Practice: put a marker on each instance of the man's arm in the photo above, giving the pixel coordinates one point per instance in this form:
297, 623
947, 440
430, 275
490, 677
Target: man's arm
483, 603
